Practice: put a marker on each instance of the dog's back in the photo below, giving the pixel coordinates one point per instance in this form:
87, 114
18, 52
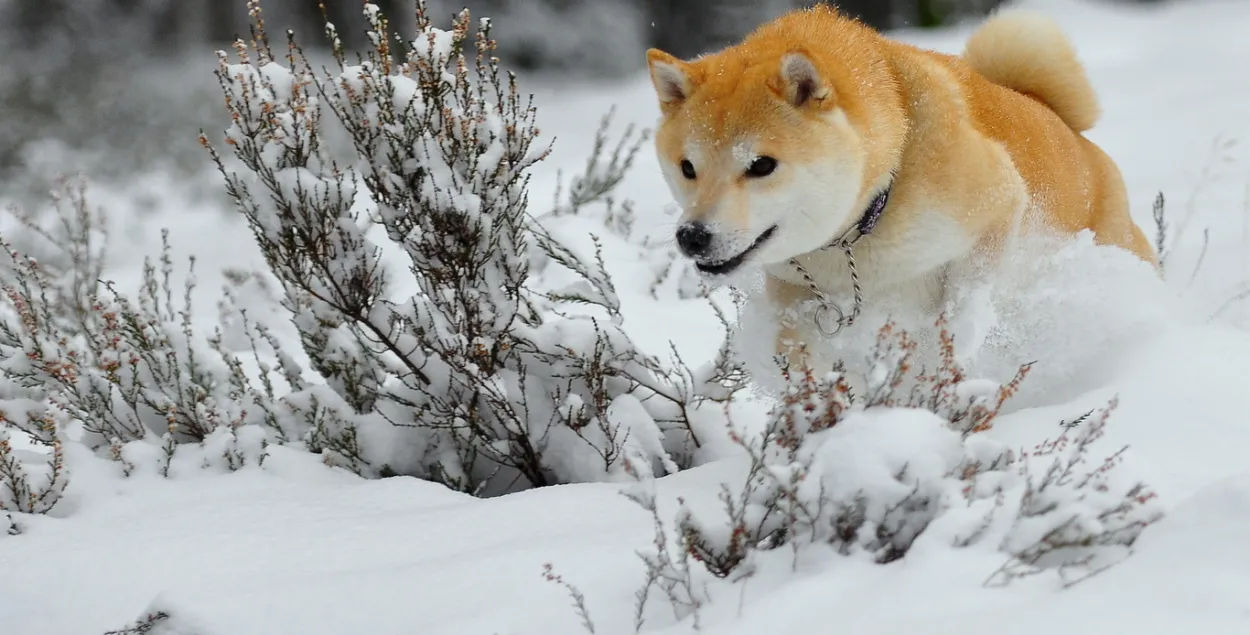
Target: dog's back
1032, 68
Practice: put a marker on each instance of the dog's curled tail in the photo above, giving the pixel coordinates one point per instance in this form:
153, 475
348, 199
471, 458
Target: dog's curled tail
1028, 53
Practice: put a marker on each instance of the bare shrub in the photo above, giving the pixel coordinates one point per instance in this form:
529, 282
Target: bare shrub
119, 372
492, 380
869, 475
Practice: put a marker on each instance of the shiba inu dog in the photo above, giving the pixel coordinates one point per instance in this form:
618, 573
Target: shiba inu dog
817, 134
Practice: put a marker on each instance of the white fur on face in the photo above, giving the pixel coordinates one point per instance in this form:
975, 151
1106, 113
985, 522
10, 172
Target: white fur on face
814, 208
809, 203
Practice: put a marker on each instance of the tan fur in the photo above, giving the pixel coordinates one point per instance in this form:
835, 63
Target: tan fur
1028, 53
973, 144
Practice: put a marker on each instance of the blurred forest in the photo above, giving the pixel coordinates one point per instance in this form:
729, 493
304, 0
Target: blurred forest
595, 36
111, 74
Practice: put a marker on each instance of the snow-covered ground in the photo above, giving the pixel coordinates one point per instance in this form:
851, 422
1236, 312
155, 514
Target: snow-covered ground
299, 548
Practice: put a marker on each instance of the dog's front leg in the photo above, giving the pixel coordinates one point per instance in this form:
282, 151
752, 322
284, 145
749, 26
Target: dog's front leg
786, 298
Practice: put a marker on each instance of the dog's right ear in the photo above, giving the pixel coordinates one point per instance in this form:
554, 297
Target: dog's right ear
800, 83
672, 77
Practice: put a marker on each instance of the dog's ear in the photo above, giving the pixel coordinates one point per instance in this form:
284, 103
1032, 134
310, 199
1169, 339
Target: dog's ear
800, 83
673, 78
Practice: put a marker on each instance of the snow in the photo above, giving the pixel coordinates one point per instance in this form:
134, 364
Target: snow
296, 547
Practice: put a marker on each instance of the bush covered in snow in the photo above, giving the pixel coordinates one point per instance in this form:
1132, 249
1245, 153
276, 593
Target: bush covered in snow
128, 378
871, 475
467, 374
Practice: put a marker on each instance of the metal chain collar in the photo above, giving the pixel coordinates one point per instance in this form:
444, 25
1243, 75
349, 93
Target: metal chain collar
828, 308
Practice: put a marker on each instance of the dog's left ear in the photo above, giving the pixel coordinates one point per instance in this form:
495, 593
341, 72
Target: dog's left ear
800, 83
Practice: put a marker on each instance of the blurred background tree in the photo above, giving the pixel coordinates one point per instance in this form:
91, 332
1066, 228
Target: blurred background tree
71, 67
595, 36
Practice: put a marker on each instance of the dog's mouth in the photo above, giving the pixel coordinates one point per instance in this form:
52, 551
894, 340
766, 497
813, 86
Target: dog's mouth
725, 267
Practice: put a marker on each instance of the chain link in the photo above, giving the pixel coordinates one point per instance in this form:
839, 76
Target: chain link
845, 243
827, 305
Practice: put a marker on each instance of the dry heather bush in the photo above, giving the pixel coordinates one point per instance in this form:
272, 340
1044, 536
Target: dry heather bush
475, 376
117, 372
868, 475
491, 379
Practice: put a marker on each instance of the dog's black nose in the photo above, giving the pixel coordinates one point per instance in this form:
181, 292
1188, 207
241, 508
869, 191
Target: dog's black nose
694, 239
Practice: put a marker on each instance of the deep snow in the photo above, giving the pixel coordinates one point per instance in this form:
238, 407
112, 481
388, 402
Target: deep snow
298, 548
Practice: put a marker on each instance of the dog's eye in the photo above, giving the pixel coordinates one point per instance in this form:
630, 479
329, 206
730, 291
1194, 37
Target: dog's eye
762, 166
687, 169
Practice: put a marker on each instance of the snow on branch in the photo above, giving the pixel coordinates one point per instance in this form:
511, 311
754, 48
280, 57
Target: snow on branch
128, 377
870, 475
490, 379
475, 376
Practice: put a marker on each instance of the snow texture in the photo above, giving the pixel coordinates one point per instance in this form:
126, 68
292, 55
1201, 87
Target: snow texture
268, 539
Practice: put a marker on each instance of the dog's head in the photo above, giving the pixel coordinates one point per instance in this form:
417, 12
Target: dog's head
760, 153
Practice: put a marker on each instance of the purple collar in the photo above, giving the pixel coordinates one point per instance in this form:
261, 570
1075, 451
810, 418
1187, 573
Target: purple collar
872, 216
